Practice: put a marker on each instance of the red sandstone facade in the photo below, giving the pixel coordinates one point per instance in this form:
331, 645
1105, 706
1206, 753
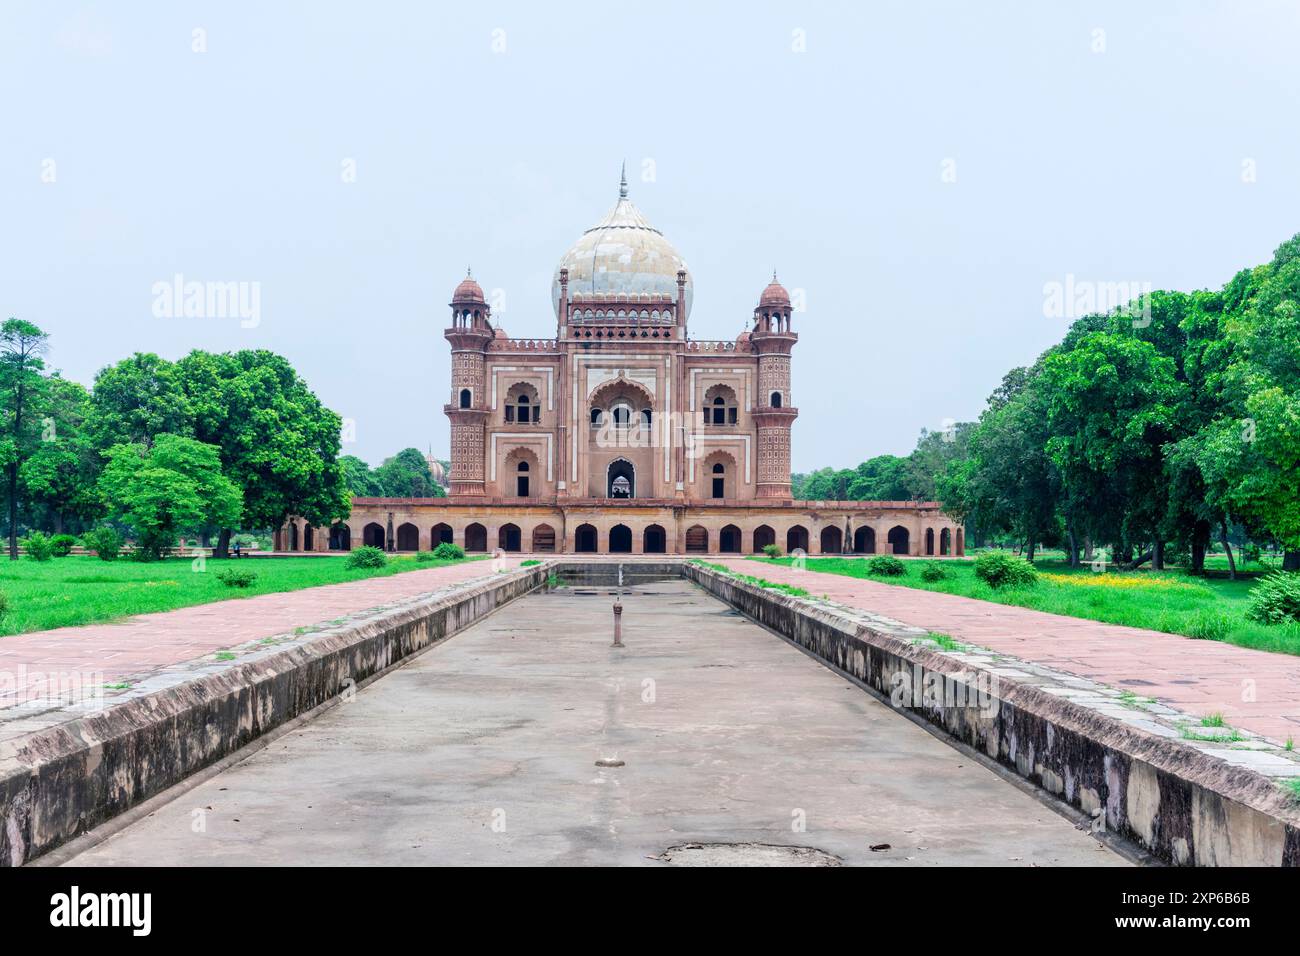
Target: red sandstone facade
622, 434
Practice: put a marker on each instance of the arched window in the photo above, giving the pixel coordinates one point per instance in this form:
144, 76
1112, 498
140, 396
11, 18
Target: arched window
645, 419
522, 404
597, 417
719, 481
622, 415
720, 406
464, 398
776, 400
521, 480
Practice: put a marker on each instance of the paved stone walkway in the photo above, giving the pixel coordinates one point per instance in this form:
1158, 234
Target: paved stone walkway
1254, 690
485, 753
30, 663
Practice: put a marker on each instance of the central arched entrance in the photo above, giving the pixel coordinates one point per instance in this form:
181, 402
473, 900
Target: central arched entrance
408, 537
729, 540
508, 537
620, 539
620, 479
584, 539
899, 539
864, 540
763, 536
654, 541
476, 537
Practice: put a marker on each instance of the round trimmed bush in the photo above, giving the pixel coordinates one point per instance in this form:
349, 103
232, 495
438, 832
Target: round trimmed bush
105, 542
61, 545
1275, 599
446, 551
934, 572
773, 551
887, 566
38, 545
1000, 569
367, 556
237, 577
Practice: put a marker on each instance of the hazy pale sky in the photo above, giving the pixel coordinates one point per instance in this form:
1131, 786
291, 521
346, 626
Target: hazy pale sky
920, 170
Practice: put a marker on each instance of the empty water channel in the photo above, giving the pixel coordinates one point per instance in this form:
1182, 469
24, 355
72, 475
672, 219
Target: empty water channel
528, 739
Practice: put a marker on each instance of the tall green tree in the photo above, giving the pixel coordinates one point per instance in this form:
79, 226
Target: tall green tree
173, 488
1111, 404
58, 478
277, 441
137, 398
22, 346
407, 475
359, 479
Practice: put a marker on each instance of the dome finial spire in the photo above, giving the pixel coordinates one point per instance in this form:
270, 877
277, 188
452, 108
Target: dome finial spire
622, 183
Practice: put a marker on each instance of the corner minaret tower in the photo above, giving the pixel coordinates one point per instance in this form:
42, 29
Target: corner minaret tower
469, 335
774, 412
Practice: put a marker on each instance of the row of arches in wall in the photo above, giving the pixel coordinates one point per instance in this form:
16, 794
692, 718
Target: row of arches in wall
654, 539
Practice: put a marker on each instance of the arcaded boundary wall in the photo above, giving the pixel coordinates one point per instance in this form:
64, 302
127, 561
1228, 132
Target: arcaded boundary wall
60, 781
1180, 803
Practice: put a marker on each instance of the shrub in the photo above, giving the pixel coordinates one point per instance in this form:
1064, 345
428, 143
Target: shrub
4, 604
236, 577
1275, 599
61, 545
39, 546
772, 551
529, 563
424, 556
1001, 569
885, 565
934, 572
367, 557
446, 551
105, 542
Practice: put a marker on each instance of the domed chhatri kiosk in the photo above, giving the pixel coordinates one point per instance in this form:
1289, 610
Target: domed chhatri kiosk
623, 434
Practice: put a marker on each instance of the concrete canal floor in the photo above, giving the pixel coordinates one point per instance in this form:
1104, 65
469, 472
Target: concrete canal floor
484, 751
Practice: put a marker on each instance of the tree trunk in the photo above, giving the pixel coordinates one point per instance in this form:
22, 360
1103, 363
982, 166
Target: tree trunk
13, 512
223, 544
1158, 556
1140, 560
1089, 552
1074, 550
1200, 544
1029, 550
1227, 549
1291, 560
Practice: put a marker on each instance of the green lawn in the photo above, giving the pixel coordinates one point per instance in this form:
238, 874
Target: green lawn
85, 590
1210, 608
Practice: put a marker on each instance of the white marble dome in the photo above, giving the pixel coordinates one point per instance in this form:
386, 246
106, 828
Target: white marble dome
622, 253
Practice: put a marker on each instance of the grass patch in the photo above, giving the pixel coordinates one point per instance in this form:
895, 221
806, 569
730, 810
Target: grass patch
1208, 608
62, 592
757, 582
945, 641
1292, 786
1230, 735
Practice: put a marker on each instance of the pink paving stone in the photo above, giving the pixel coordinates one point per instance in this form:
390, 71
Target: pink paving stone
1199, 677
148, 642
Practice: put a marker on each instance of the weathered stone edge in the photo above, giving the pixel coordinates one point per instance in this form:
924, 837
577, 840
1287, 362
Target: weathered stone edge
63, 780
1180, 803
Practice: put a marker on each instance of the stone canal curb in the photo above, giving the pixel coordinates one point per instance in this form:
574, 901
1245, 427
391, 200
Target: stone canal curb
80, 768
1128, 765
